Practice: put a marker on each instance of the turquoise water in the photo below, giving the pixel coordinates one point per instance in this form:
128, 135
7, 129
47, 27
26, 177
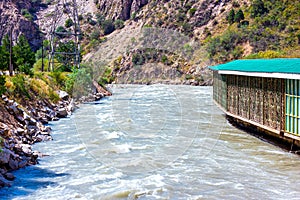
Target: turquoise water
155, 142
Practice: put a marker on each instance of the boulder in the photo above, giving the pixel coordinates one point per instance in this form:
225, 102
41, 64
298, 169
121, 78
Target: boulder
44, 120
13, 164
63, 95
26, 148
22, 164
3, 171
14, 108
62, 112
3, 181
20, 131
20, 119
26, 116
9, 176
5, 156
41, 138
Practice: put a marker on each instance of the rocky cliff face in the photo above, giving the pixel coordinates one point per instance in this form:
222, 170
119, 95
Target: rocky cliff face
11, 18
120, 9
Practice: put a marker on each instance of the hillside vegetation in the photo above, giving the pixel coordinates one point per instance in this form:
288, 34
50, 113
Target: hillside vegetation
224, 30
231, 29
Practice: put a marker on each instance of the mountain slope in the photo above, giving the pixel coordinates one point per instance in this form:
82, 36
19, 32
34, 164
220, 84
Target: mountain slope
16, 15
223, 30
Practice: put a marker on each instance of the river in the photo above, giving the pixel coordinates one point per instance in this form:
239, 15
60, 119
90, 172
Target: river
155, 142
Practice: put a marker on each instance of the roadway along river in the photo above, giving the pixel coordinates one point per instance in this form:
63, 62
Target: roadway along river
156, 142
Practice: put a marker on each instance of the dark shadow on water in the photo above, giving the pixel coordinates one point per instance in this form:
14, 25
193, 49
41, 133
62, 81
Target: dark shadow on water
28, 180
93, 103
254, 131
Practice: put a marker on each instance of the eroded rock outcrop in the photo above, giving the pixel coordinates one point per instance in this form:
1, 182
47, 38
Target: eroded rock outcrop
116, 9
11, 17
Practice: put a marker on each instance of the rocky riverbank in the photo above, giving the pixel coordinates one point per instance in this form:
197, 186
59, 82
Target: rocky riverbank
25, 122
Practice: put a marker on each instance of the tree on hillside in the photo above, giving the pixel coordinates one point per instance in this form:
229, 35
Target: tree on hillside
4, 53
239, 16
24, 57
108, 26
230, 16
100, 19
119, 24
4, 58
6, 43
66, 59
69, 22
258, 8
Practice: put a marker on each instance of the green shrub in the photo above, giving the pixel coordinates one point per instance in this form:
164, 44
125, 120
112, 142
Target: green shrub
61, 29
95, 35
188, 77
239, 16
180, 17
187, 28
258, 8
69, 22
93, 44
192, 11
221, 47
2, 85
265, 54
59, 78
26, 14
119, 24
133, 15
100, 18
138, 59
26, 69
236, 4
79, 82
20, 86
106, 76
230, 16
108, 26
164, 59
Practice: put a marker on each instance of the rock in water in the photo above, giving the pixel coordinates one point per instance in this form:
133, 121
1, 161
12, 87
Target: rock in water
3, 181
62, 112
9, 176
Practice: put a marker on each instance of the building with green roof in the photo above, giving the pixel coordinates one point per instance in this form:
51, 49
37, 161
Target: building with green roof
264, 93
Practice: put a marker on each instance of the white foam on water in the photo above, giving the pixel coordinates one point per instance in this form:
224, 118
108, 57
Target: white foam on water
122, 148
73, 149
114, 135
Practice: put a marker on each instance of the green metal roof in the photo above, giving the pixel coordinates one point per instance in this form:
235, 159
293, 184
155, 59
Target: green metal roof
279, 65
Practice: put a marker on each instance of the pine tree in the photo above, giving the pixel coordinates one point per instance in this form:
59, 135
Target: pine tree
258, 8
230, 17
239, 16
6, 43
4, 53
23, 55
66, 59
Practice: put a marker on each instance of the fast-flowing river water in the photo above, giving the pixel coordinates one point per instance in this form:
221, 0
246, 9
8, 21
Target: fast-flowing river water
155, 142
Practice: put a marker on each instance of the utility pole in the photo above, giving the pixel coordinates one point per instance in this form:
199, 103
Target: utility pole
11, 68
69, 8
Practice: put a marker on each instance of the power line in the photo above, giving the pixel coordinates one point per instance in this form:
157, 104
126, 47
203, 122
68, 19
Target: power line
63, 8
